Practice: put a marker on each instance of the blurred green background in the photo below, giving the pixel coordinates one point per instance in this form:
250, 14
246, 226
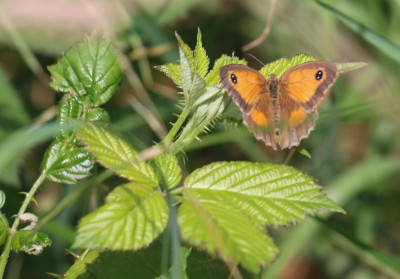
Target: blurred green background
355, 147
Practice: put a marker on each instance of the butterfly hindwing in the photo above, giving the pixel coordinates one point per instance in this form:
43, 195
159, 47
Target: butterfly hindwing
295, 123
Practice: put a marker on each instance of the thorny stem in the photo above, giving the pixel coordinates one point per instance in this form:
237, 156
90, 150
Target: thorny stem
177, 125
24, 206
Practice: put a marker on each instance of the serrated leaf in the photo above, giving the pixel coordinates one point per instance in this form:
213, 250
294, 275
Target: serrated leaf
200, 57
3, 228
227, 204
212, 78
196, 91
270, 193
186, 52
186, 73
221, 227
173, 71
168, 170
114, 153
91, 69
66, 162
205, 95
30, 242
98, 115
280, 66
133, 216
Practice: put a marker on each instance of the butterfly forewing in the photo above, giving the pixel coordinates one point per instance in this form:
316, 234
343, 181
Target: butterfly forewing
243, 84
309, 83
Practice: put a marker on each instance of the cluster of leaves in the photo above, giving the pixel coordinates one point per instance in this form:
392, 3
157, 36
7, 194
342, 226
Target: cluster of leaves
222, 207
89, 74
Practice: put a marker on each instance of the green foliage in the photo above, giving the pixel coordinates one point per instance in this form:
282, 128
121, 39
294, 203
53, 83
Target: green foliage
64, 162
224, 206
90, 74
3, 228
30, 242
168, 170
81, 69
234, 201
133, 216
280, 66
114, 153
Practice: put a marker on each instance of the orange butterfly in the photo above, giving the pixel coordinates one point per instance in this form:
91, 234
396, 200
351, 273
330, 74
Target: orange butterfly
286, 106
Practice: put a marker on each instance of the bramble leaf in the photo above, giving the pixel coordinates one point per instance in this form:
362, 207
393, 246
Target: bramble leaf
90, 69
65, 161
227, 205
212, 78
114, 153
173, 71
168, 170
133, 216
200, 57
280, 66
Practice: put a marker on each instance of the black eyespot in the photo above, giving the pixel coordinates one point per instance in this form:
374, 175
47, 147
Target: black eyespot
319, 75
233, 78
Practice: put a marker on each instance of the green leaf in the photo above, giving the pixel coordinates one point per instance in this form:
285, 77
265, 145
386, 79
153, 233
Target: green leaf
173, 71
65, 161
30, 242
99, 116
226, 206
133, 216
186, 72
114, 153
303, 151
3, 228
280, 66
269, 193
90, 69
200, 57
2, 199
219, 226
383, 44
212, 78
196, 91
186, 53
168, 170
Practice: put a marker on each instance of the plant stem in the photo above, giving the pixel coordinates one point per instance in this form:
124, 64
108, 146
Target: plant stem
24, 206
177, 125
289, 156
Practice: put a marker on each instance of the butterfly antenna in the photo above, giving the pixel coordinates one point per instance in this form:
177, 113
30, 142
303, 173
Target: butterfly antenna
255, 58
